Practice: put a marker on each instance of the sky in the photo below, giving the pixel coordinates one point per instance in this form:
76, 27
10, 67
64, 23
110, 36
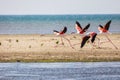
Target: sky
28, 7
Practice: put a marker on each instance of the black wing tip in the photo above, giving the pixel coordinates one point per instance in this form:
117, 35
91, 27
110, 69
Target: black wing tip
101, 26
81, 46
110, 21
88, 25
93, 38
77, 23
55, 31
65, 29
84, 40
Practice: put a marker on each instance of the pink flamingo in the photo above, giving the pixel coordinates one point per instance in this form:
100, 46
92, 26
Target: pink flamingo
85, 38
61, 34
79, 29
104, 29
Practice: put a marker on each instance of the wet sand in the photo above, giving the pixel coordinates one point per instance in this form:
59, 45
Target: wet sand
46, 48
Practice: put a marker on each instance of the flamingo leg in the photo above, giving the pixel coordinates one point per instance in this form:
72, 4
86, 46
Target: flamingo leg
76, 44
94, 43
61, 37
104, 42
98, 42
111, 42
62, 41
69, 42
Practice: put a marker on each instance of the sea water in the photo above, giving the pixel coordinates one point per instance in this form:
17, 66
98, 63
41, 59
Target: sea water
45, 24
60, 71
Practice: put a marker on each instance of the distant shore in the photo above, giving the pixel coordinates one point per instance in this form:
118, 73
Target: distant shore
46, 48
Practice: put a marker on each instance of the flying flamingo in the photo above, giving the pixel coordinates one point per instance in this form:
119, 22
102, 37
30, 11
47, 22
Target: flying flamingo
104, 29
61, 34
79, 29
85, 38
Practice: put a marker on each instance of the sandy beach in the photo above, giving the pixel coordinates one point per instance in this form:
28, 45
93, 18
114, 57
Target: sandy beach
46, 48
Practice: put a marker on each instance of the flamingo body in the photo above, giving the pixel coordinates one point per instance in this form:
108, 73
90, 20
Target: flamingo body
105, 28
81, 30
60, 32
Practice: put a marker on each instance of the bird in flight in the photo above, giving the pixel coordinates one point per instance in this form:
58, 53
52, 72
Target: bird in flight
61, 34
104, 29
63, 31
85, 38
79, 29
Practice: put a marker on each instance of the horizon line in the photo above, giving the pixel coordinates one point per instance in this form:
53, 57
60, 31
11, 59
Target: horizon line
69, 14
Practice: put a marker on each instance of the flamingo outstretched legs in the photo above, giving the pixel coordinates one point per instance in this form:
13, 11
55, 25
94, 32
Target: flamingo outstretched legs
109, 40
95, 44
104, 29
62, 43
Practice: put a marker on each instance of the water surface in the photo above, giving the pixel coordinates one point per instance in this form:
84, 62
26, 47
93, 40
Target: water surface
45, 24
60, 71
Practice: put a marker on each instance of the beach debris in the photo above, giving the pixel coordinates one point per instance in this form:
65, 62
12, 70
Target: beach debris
17, 40
18, 60
9, 40
42, 44
30, 46
74, 37
57, 42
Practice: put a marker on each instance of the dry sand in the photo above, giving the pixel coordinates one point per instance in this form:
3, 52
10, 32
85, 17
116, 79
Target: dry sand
40, 48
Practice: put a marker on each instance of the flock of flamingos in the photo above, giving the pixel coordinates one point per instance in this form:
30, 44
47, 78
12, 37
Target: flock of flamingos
91, 36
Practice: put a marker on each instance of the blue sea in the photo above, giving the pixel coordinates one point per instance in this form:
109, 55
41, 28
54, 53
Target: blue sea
60, 71
45, 24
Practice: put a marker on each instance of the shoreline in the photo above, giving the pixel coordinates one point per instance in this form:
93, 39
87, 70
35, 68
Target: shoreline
42, 48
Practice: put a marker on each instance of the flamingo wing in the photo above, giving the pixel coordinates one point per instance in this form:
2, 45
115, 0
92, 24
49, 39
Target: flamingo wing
78, 24
84, 40
107, 25
64, 30
86, 28
55, 31
101, 26
93, 37
78, 27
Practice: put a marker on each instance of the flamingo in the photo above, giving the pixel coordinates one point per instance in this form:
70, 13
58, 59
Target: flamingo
104, 29
61, 34
85, 38
79, 29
